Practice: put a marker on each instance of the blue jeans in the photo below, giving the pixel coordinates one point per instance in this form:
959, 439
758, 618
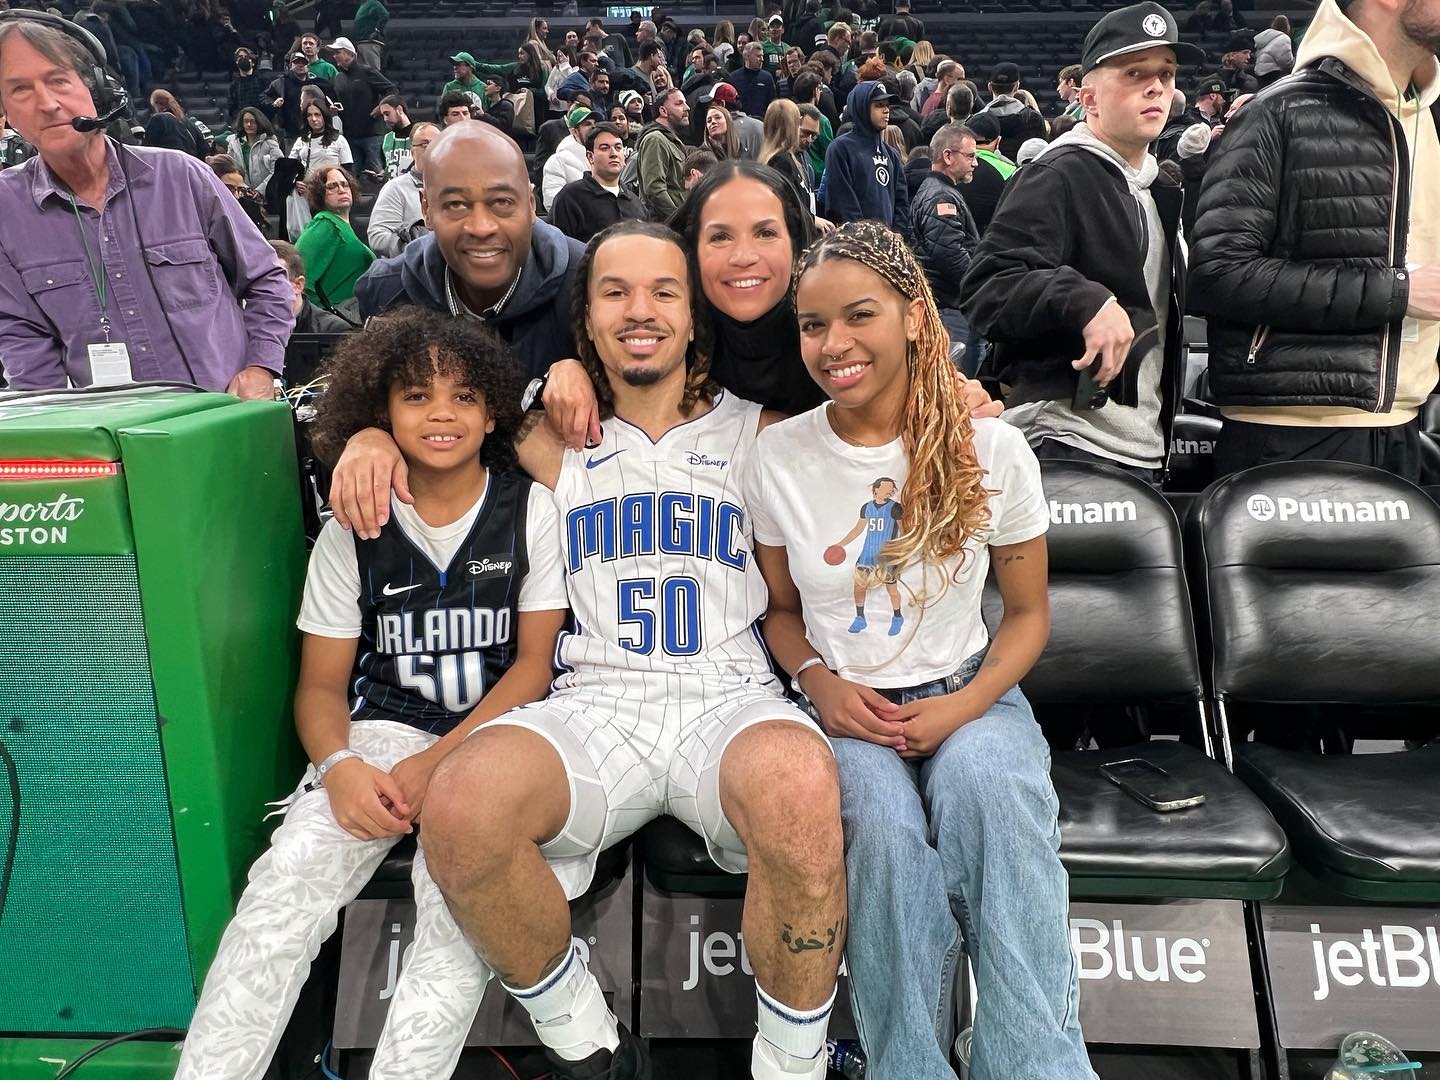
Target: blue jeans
369, 153
961, 331
962, 846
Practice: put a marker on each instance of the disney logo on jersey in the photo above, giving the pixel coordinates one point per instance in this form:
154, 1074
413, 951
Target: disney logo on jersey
695, 458
489, 566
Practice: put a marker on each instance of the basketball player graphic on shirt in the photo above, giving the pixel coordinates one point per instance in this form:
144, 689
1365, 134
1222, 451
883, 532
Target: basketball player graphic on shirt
880, 522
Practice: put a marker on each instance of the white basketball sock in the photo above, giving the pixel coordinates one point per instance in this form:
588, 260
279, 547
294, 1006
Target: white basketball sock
569, 1011
791, 1042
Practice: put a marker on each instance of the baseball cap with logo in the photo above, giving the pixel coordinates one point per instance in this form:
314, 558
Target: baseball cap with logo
342, 43
464, 58
1212, 85
1135, 29
577, 116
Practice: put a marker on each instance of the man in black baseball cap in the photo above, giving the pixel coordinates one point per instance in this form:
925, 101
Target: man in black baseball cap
1135, 29
1071, 292
1018, 121
1211, 98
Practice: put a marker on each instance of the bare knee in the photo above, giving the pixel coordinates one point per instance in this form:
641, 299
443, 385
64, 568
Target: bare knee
780, 788
501, 788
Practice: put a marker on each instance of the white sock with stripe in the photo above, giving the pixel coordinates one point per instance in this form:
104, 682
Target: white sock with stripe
791, 1042
569, 1011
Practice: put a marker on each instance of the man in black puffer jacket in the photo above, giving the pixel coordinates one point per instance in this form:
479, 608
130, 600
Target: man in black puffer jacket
1321, 278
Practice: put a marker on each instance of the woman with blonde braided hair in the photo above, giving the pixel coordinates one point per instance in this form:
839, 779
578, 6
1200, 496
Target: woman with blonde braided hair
950, 818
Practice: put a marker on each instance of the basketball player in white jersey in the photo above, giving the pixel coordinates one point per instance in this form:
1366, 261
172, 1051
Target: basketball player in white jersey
667, 704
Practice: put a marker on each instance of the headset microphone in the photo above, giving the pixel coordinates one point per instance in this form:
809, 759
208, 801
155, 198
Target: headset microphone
95, 123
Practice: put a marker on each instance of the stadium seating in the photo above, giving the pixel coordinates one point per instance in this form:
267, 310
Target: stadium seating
1040, 36
1121, 638
1319, 583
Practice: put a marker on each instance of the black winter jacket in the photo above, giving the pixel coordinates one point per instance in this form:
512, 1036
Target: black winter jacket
1298, 258
1066, 236
360, 90
535, 321
945, 236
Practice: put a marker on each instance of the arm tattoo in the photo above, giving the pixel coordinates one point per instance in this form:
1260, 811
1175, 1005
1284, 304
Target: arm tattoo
1006, 560
528, 423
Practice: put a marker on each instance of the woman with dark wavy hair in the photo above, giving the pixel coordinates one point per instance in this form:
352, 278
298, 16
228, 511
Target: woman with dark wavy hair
744, 230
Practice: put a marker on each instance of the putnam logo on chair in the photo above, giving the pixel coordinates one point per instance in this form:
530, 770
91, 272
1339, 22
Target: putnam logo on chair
1090, 513
1263, 508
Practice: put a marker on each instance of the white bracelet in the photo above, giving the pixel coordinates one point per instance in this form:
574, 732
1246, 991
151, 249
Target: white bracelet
812, 662
333, 760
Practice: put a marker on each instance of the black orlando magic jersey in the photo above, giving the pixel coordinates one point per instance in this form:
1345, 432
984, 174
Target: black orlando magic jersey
435, 639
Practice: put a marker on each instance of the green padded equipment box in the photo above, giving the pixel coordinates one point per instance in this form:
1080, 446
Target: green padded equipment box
151, 565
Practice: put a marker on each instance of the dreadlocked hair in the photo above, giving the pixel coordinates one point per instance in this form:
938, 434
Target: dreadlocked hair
698, 383
945, 504
410, 346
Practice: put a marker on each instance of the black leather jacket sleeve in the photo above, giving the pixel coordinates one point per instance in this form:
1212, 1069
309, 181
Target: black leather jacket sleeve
1240, 266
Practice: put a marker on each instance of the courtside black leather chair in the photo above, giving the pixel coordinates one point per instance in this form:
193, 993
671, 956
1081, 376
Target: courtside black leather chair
1322, 584
1192, 449
1122, 638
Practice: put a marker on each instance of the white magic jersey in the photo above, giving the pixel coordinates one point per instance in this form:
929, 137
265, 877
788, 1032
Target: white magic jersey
658, 553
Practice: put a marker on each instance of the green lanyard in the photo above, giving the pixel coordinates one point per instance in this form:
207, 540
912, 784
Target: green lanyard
97, 272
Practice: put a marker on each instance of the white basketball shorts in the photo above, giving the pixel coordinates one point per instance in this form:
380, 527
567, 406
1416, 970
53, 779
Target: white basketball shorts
637, 746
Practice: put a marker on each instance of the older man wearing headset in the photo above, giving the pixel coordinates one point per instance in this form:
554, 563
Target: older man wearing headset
120, 264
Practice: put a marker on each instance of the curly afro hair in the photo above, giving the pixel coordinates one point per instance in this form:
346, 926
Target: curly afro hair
409, 346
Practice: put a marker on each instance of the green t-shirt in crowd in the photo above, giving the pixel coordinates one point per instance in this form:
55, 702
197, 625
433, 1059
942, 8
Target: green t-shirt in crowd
323, 69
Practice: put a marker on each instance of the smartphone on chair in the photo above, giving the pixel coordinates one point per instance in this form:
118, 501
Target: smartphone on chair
1151, 785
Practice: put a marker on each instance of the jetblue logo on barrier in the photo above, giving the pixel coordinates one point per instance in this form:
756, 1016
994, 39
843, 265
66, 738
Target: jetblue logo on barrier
718, 955
1102, 951
1403, 957
1334, 511
1091, 513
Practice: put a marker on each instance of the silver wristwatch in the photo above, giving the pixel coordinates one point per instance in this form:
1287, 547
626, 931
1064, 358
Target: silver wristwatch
534, 394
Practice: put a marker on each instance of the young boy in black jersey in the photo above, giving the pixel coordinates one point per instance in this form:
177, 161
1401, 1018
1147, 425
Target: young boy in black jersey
412, 640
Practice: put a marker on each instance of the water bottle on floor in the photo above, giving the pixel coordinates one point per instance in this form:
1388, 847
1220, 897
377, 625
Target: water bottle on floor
846, 1058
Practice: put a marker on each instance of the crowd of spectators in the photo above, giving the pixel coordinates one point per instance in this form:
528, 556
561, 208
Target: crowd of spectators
862, 117
827, 230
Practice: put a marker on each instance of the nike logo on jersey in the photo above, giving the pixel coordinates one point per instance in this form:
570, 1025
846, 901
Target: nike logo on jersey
591, 462
390, 590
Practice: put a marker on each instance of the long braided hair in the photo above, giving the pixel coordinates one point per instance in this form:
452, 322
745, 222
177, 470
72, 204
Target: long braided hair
945, 504
698, 383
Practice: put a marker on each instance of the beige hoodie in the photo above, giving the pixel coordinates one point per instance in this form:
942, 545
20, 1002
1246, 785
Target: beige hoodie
1332, 34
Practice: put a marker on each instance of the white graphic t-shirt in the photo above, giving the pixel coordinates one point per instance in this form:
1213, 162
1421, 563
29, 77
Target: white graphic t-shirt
834, 506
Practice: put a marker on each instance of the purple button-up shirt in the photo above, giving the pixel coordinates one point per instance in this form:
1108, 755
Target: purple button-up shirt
192, 288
